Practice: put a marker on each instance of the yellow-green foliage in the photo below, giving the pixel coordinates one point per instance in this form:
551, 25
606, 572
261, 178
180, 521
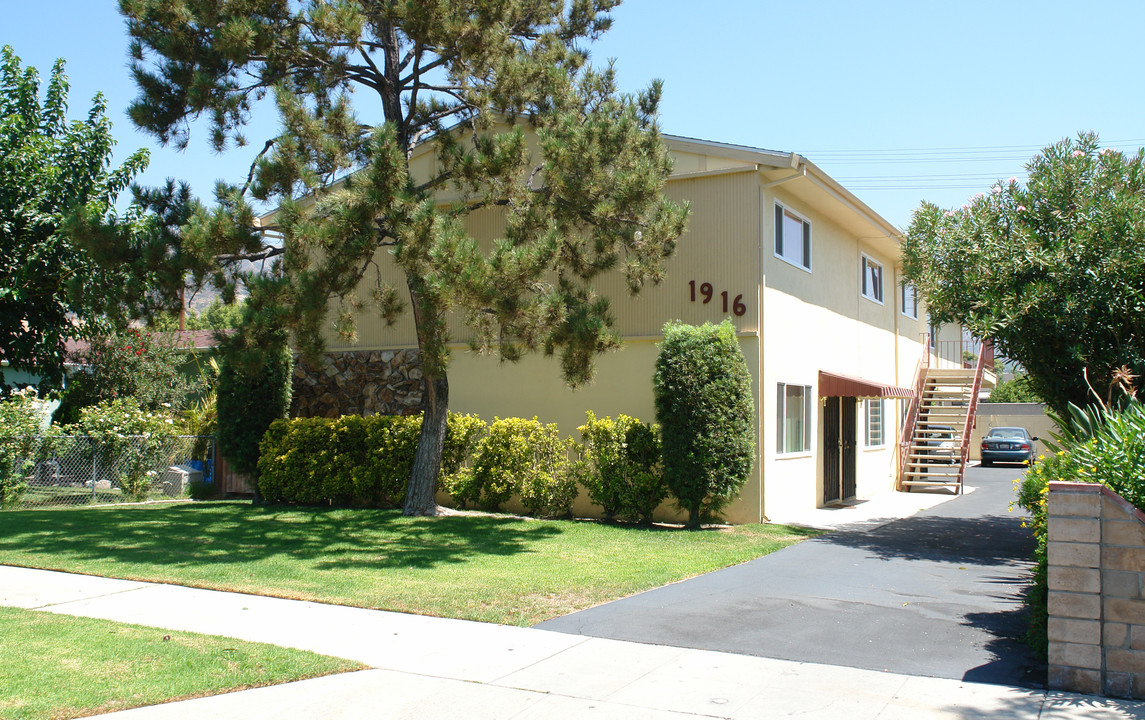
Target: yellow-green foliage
1032, 490
353, 460
19, 423
462, 433
524, 457
620, 466
359, 461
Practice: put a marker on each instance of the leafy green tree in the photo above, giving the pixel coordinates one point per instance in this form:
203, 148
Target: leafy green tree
479, 79
1051, 271
50, 288
703, 400
1017, 390
218, 315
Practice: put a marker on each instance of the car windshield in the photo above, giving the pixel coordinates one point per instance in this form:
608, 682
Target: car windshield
1008, 433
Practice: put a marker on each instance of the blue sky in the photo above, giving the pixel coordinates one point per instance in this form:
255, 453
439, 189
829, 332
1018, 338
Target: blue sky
900, 100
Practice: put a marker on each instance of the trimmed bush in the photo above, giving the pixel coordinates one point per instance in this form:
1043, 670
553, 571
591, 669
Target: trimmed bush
620, 467
462, 435
350, 461
353, 461
703, 404
524, 457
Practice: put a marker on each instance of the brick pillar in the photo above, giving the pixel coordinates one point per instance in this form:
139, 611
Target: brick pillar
1096, 581
1074, 535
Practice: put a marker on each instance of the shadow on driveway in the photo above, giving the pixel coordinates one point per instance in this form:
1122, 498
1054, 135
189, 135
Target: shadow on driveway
938, 594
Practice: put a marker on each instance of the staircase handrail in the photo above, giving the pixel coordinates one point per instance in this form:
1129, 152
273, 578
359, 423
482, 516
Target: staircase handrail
984, 357
907, 435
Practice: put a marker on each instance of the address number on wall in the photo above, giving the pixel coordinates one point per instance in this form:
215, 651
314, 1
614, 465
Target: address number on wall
707, 293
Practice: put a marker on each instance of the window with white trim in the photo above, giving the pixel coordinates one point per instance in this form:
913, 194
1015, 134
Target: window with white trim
872, 280
792, 237
909, 301
873, 412
793, 418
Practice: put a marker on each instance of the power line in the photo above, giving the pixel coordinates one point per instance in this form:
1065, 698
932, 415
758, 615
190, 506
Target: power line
979, 149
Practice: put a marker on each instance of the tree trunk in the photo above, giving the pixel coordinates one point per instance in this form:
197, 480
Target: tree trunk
693, 518
427, 463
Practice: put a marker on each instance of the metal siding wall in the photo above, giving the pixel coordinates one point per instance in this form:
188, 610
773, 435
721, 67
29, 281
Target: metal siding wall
720, 247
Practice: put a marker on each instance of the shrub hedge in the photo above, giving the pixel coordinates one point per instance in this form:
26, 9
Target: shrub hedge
620, 466
527, 458
352, 461
365, 462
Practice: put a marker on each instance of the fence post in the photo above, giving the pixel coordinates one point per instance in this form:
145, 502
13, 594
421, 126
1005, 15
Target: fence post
94, 468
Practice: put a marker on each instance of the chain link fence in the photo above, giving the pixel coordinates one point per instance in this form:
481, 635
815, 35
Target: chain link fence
62, 470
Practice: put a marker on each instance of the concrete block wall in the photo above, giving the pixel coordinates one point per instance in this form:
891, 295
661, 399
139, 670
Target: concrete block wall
1096, 555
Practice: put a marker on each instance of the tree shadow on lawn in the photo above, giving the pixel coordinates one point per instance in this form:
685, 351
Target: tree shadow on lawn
232, 534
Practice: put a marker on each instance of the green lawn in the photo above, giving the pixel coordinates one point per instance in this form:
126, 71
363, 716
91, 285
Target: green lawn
55, 666
489, 568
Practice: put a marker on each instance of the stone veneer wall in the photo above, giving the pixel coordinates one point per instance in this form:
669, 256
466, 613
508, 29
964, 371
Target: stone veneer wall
366, 382
1096, 600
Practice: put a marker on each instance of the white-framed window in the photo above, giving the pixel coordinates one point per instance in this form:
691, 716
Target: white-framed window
873, 412
793, 413
792, 237
872, 279
910, 300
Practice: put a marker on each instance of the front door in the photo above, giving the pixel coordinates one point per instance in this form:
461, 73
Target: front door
839, 426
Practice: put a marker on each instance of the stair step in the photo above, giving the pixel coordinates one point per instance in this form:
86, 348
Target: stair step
919, 483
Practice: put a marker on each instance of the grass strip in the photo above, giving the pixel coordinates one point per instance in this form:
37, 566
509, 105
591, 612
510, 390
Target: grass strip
58, 666
498, 569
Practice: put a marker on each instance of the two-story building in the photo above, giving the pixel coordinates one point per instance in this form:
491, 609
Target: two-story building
809, 275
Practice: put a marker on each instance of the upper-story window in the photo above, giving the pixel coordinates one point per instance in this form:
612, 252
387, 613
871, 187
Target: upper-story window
872, 280
910, 300
792, 237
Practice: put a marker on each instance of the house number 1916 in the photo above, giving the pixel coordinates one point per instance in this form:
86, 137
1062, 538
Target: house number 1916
707, 292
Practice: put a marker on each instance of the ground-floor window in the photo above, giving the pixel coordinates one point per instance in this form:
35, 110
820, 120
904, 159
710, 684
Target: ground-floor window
873, 411
794, 418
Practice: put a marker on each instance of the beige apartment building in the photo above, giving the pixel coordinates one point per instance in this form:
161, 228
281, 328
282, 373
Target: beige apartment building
809, 275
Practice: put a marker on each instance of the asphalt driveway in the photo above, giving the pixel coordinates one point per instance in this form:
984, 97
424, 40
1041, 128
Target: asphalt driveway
936, 594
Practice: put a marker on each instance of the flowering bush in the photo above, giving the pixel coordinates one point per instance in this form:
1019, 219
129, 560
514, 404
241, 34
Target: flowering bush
130, 363
129, 441
1107, 448
1115, 455
20, 420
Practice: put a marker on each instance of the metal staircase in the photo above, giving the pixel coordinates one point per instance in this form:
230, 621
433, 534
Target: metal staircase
935, 444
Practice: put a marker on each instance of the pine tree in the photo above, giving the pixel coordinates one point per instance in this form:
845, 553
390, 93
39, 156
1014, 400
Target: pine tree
478, 80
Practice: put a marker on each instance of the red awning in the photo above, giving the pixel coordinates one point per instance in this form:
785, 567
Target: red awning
835, 385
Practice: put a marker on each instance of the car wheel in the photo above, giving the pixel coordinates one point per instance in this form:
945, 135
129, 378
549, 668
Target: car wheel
987, 463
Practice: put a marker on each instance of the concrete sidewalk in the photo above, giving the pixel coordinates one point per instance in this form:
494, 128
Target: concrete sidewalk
437, 668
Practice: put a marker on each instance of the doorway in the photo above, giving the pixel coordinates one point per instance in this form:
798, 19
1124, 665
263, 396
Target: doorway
840, 421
